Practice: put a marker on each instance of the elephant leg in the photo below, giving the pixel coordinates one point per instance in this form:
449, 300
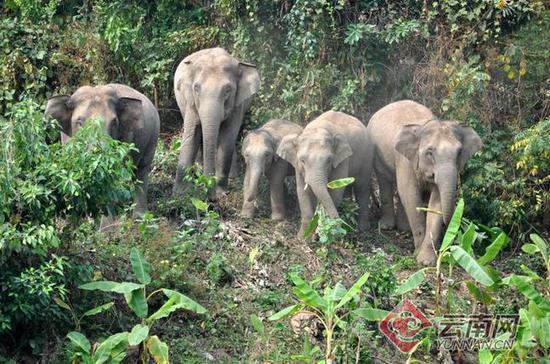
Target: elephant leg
190, 142
410, 194
276, 176
234, 172
142, 174
227, 139
361, 190
434, 224
387, 221
307, 202
400, 217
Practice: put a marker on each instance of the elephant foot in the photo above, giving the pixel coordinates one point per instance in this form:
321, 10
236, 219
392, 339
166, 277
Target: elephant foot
425, 257
138, 213
247, 214
403, 226
277, 216
386, 224
221, 190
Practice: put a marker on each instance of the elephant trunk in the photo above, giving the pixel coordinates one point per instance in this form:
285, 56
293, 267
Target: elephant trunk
211, 115
446, 181
256, 170
318, 183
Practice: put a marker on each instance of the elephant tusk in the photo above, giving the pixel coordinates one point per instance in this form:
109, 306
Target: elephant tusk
305, 187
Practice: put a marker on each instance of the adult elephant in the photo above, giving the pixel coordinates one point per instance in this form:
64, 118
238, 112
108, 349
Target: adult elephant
410, 148
331, 147
213, 91
128, 116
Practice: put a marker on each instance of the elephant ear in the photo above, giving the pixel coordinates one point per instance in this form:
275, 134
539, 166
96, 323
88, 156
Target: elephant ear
407, 140
287, 149
130, 114
342, 150
184, 83
249, 83
471, 143
59, 108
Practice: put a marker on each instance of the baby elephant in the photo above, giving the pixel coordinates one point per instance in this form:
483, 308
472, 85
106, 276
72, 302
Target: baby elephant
331, 147
128, 116
259, 152
422, 155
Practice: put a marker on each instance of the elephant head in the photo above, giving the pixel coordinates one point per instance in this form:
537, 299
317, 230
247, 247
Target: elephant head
121, 115
258, 150
314, 154
215, 86
438, 151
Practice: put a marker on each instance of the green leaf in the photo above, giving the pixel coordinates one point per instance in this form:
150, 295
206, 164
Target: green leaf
111, 348
257, 324
530, 272
485, 356
61, 303
140, 266
454, 225
127, 287
339, 183
105, 286
285, 312
371, 314
479, 293
468, 238
492, 250
98, 309
79, 341
354, 290
523, 284
541, 244
199, 205
471, 266
182, 301
136, 300
138, 334
530, 248
333, 294
312, 226
157, 349
412, 282
306, 293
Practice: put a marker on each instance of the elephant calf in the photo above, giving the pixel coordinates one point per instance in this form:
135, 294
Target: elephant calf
259, 151
129, 116
331, 147
409, 147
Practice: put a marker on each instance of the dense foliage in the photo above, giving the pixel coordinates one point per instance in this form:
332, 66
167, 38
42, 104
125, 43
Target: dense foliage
482, 62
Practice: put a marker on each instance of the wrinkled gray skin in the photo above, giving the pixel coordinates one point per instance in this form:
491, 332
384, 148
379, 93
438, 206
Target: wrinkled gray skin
259, 151
331, 147
129, 116
421, 155
213, 91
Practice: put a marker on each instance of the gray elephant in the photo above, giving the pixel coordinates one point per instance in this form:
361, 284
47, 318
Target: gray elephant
213, 91
411, 149
331, 147
259, 151
129, 116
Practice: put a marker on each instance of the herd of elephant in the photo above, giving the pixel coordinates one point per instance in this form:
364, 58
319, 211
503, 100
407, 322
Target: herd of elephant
404, 144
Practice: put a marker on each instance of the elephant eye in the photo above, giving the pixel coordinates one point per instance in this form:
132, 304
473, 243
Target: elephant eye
430, 155
197, 87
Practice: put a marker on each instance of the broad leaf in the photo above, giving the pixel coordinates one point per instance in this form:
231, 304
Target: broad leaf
79, 341
61, 303
468, 238
99, 309
257, 324
140, 266
105, 286
471, 266
479, 293
485, 356
354, 289
492, 250
541, 244
454, 225
136, 300
530, 248
199, 205
138, 334
333, 294
157, 349
182, 301
127, 287
312, 226
306, 293
524, 285
371, 314
412, 282
339, 183
111, 348
290, 310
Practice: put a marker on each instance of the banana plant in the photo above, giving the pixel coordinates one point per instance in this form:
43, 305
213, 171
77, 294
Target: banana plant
332, 309
113, 349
